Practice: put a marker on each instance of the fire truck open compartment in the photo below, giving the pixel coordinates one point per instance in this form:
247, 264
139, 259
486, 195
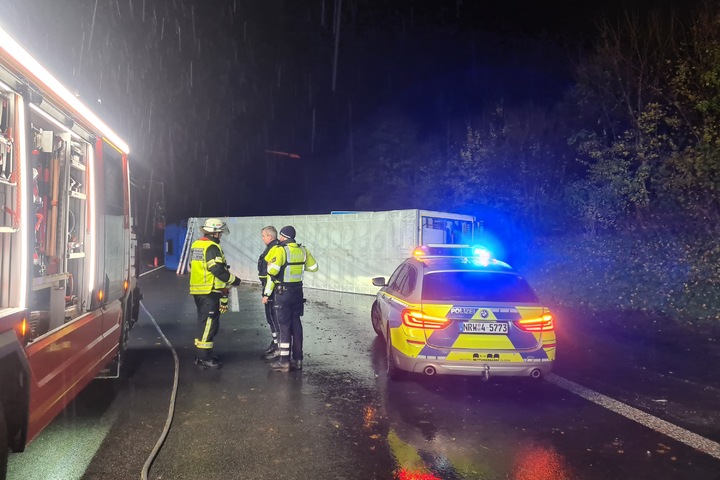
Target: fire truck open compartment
57, 152
60, 178
59, 213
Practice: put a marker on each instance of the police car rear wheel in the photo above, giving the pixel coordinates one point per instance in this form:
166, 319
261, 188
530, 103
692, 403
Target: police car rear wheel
375, 318
393, 372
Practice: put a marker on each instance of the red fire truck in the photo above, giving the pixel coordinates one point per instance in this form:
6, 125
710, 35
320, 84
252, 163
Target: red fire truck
68, 271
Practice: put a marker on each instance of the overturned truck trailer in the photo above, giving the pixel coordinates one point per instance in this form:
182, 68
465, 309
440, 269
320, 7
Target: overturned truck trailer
350, 247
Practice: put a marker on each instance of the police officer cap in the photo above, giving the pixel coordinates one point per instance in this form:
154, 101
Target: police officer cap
288, 231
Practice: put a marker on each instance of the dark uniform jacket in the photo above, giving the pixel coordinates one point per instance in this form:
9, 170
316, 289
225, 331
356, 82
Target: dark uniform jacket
262, 263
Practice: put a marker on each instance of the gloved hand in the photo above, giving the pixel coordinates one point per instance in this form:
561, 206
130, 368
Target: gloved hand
223, 304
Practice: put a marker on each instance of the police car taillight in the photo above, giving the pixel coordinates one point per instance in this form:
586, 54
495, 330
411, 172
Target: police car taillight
416, 319
543, 323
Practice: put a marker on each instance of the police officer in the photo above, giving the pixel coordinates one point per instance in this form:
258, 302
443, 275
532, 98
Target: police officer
269, 237
209, 281
286, 264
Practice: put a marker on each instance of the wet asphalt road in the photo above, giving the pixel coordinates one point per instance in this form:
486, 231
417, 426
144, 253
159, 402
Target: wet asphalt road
340, 418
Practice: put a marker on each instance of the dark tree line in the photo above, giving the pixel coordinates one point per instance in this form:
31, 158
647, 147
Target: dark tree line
627, 151
632, 144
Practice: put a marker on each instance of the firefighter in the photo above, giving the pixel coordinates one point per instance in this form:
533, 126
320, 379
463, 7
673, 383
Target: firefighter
209, 280
269, 237
286, 264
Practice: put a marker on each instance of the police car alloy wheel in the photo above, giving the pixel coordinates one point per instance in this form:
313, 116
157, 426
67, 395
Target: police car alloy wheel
375, 318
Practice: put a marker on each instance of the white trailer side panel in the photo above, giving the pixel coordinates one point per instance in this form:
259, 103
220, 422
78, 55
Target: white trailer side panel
350, 248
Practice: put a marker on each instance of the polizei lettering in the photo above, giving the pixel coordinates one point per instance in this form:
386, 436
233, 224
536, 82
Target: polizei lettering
463, 311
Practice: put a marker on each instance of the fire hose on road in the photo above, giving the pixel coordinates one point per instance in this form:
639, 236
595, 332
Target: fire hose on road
173, 396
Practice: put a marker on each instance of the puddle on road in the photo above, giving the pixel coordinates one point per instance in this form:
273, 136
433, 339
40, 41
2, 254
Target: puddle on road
441, 428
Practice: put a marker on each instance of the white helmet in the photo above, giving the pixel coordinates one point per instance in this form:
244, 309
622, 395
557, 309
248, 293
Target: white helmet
215, 225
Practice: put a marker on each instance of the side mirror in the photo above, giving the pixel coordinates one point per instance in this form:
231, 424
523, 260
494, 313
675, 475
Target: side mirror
379, 281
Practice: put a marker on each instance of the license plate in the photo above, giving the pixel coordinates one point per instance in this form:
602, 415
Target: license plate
485, 327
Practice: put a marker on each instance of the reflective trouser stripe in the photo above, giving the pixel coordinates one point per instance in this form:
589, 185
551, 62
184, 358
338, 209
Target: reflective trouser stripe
284, 349
202, 342
276, 324
275, 340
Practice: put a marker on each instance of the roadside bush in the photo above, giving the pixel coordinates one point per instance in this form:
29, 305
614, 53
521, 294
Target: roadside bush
673, 275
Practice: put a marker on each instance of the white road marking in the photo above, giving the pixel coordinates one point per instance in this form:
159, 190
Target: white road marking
687, 437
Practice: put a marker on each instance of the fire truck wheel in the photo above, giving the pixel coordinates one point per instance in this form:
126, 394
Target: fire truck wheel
4, 446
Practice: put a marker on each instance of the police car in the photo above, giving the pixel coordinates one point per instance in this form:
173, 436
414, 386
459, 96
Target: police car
454, 310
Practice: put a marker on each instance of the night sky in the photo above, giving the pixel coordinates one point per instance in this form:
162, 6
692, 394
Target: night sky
202, 90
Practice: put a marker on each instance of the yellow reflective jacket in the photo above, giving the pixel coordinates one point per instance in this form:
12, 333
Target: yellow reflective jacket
208, 270
286, 263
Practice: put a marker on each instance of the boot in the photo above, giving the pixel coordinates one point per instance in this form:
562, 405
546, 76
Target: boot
272, 347
208, 363
272, 354
280, 365
295, 364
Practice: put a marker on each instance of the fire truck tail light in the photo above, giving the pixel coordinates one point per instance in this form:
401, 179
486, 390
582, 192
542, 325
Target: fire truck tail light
25, 331
125, 285
100, 295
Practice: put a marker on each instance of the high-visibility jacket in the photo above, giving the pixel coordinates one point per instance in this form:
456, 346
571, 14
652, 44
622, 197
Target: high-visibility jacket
286, 264
208, 270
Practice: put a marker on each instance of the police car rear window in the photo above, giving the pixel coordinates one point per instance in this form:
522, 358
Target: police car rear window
476, 286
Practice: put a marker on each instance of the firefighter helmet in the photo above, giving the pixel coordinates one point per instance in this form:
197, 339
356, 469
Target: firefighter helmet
215, 225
